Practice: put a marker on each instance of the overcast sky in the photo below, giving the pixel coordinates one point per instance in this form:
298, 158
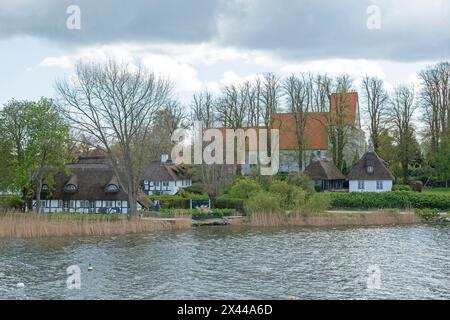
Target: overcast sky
207, 43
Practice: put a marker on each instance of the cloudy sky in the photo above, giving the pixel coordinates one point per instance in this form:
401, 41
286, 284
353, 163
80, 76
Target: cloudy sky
209, 43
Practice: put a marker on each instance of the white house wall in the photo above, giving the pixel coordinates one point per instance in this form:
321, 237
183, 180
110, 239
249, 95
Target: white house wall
370, 186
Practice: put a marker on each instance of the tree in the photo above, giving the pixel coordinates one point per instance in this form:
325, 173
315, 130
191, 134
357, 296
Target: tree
443, 161
116, 105
36, 140
296, 91
338, 128
376, 99
401, 111
435, 103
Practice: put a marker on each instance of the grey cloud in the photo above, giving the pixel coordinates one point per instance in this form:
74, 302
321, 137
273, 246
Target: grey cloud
297, 29
111, 20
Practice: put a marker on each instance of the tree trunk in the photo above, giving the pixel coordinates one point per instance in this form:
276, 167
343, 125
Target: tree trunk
132, 205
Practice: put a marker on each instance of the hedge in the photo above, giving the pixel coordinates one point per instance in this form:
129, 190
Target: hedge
398, 199
225, 202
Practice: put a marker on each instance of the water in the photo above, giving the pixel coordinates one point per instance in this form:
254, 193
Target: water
234, 263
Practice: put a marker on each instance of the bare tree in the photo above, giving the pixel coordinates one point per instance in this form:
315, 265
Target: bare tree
376, 99
297, 92
116, 105
435, 102
401, 111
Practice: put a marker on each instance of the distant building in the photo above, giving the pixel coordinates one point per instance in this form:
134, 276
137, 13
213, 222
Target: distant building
316, 139
165, 177
325, 174
370, 174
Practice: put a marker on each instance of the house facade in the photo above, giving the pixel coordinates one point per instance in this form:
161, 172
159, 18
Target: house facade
165, 177
89, 186
370, 174
325, 174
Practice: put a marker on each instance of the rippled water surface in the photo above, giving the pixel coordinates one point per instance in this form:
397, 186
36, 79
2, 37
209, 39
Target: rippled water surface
234, 263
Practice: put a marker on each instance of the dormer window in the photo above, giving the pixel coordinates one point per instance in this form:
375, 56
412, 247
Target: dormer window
70, 188
44, 188
112, 188
369, 169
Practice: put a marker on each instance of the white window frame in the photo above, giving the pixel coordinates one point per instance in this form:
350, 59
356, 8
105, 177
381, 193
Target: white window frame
361, 185
379, 184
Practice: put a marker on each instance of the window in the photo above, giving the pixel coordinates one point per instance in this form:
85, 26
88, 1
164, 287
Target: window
109, 204
72, 204
70, 188
360, 184
60, 203
165, 183
370, 169
379, 185
44, 188
112, 188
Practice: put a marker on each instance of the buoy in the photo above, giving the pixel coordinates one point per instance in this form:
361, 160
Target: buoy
20, 285
90, 268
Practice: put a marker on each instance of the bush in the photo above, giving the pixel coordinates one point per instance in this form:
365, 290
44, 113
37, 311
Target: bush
427, 213
244, 189
226, 202
11, 201
169, 202
398, 199
194, 188
317, 203
401, 187
263, 202
301, 180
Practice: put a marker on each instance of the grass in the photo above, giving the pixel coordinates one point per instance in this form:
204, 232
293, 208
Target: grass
437, 191
332, 219
38, 225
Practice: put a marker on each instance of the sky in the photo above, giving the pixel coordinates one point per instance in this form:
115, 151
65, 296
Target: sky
206, 44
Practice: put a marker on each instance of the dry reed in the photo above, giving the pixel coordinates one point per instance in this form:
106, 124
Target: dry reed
332, 219
35, 225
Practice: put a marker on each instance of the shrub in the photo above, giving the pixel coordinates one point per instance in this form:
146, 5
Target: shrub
401, 187
290, 196
317, 203
11, 201
417, 186
399, 199
194, 188
226, 202
427, 213
168, 202
301, 180
263, 202
244, 189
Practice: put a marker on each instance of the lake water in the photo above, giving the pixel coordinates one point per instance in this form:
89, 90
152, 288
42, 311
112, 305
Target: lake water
235, 263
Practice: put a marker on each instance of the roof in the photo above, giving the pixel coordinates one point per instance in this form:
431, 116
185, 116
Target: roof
91, 181
91, 175
380, 168
315, 135
323, 170
165, 171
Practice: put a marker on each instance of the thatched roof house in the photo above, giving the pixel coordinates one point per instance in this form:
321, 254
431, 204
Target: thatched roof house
325, 174
370, 173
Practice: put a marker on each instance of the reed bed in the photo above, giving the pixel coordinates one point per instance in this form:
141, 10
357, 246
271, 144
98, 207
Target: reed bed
39, 225
332, 219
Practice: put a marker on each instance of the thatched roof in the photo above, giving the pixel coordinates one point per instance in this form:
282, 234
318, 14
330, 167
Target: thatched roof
165, 171
323, 169
370, 159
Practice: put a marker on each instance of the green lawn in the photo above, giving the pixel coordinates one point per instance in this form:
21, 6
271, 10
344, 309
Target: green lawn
437, 190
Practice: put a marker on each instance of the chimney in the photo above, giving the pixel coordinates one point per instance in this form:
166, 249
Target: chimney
164, 158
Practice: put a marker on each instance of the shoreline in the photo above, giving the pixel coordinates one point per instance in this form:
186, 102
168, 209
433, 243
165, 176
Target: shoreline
20, 226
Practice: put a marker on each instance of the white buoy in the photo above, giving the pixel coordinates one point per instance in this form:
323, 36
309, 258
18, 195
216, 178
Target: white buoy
90, 268
20, 285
